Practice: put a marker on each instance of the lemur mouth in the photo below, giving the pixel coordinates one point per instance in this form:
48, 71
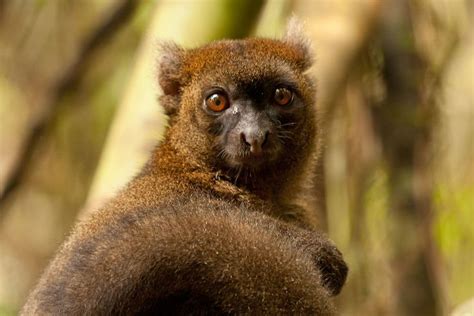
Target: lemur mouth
252, 160
244, 158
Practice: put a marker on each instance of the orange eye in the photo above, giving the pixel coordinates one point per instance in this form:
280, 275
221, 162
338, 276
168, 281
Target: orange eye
283, 96
217, 102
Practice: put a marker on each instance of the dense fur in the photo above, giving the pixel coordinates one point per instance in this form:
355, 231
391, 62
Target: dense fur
195, 232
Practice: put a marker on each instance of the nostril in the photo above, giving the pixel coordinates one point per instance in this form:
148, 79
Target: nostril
265, 139
244, 139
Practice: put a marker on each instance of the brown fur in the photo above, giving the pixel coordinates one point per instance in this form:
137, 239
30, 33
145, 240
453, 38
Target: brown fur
188, 234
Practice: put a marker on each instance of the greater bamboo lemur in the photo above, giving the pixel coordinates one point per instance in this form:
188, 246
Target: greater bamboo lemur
212, 223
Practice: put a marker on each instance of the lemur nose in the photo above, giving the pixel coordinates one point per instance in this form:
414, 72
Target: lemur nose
255, 141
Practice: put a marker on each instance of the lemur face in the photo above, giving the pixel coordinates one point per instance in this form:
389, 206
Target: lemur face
250, 98
252, 122
253, 104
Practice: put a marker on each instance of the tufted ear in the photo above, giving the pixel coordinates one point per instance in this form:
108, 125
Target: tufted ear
295, 36
170, 75
170, 64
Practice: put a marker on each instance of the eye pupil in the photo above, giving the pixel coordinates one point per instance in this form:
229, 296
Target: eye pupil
283, 96
217, 102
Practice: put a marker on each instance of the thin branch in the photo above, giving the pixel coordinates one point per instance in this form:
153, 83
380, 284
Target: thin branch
66, 82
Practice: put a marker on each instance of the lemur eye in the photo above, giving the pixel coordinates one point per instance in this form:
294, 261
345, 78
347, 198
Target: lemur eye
217, 102
283, 96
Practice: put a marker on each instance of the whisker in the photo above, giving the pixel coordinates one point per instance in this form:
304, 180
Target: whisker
284, 136
285, 133
238, 175
286, 124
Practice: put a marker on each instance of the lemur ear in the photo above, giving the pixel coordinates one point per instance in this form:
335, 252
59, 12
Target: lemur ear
296, 37
170, 74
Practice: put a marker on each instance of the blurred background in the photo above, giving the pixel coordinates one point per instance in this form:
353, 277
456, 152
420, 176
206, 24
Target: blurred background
79, 116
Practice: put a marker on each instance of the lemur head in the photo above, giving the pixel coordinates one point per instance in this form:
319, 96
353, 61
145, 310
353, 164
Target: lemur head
249, 101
